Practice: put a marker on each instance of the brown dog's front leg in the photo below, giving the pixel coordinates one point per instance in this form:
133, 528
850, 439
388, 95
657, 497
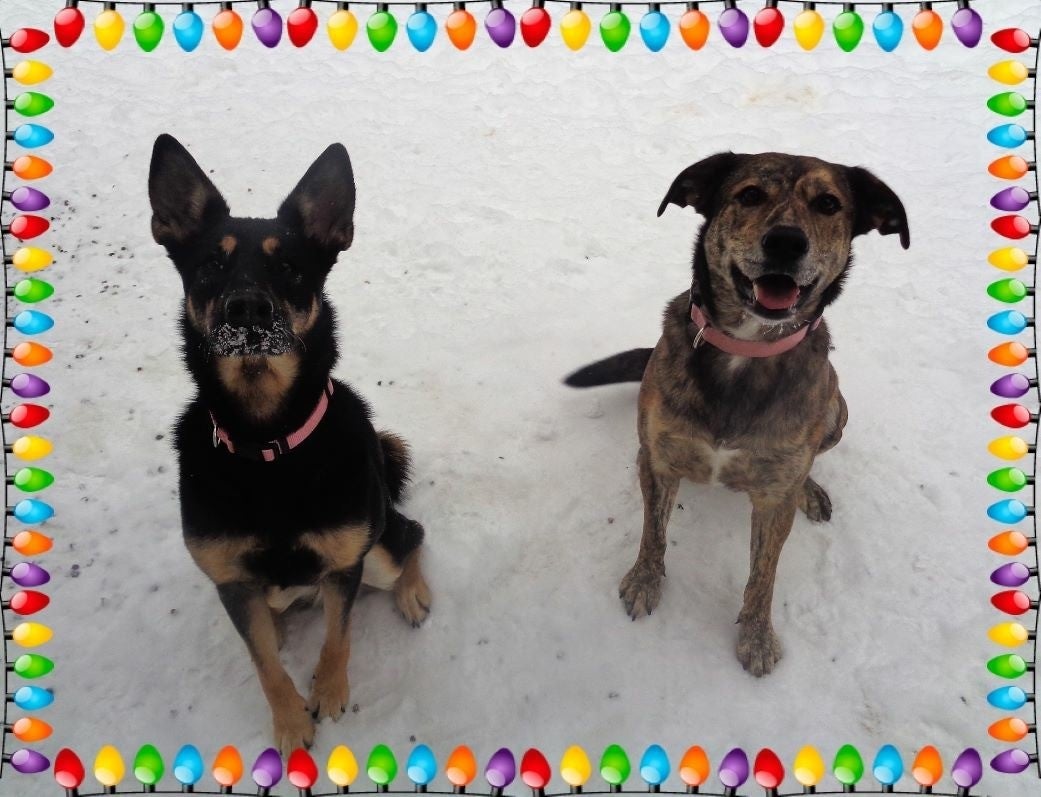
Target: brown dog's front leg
758, 648
251, 616
640, 590
330, 690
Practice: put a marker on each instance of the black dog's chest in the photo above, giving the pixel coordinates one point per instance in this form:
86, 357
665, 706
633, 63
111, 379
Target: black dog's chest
284, 566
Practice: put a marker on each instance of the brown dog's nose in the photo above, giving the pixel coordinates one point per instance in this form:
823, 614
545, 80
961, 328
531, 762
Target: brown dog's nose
248, 309
785, 243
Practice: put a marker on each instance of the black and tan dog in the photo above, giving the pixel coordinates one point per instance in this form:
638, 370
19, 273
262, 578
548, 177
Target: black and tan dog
739, 390
286, 489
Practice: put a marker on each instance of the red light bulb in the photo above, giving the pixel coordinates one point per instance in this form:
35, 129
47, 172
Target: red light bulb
535, 24
1014, 416
68, 25
768, 24
28, 40
1012, 226
1011, 601
768, 769
302, 24
28, 601
26, 416
1013, 40
301, 768
68, 769
535, 771
25, 227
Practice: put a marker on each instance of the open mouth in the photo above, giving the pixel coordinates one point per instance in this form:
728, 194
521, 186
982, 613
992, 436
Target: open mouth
773, 296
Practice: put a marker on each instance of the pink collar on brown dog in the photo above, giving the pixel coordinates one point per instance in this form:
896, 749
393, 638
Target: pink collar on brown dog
746, 348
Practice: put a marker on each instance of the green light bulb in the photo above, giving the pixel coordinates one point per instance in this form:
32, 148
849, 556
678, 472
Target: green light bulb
381, 765
614, 28
32, 665
848, 28
614, 765
381, 28
1008, 290
1007, 665
32, 103
30, 480
1008, 103
148, 30
1010, 480
32, 290
148, 765
848, 767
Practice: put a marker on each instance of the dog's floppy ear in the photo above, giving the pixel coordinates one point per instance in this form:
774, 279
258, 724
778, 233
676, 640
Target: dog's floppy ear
877, 206
184, 201
696, 185
322, 204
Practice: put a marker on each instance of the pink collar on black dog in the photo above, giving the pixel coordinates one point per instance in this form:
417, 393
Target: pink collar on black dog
746, 348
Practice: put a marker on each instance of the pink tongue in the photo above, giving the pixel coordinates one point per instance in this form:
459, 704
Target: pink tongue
774, 296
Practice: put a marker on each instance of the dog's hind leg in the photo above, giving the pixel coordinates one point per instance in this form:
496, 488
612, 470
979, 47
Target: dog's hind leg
815, 502
393, 563
330, 690
640, 590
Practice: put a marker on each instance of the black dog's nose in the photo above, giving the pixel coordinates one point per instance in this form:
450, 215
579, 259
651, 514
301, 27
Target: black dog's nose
248, 309
785, 243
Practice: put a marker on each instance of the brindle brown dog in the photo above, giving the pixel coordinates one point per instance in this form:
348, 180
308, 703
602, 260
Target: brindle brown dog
739, 389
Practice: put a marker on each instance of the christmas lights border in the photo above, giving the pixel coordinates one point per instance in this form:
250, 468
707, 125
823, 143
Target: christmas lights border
734, 768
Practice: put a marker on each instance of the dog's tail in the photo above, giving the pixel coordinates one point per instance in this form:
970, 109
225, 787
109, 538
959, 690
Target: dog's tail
397, 464
628, 366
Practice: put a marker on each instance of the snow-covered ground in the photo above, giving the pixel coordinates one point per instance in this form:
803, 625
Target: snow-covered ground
506, 234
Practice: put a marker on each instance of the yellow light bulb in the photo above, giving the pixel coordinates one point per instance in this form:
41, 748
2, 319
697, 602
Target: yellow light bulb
342, 767
30, 447
108, 28
1011, 635
31, 635
1008, 258
809, 28
1010, 447
575, 767
342, 27
808, 768
575, 27
108, 767
29, 73
1010, 72
31, 258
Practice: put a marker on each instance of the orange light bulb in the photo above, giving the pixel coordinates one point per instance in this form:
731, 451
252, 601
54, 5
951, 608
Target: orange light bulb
461, 27
30, 354
694, 28
928, 28
30, 729
1009, 354
694, 766
461, 767
227, 766
927, 768
227, 28
1010, 729
1009, 543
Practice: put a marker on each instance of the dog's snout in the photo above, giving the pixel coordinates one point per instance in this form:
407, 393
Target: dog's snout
248, 309
785, 243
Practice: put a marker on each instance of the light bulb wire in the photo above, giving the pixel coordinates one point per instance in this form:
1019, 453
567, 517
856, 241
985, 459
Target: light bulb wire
3, 430
801, 4
1037, 425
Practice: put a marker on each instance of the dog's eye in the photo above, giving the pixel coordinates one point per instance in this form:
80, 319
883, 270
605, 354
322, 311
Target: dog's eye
827, 204
750, 196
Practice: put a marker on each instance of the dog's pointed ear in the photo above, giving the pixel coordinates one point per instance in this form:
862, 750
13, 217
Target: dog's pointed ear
696, 185
877, 206
184, 201
322, 204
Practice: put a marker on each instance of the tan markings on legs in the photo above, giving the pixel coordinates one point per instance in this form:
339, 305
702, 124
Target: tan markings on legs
330, 690
411, 593
228, 244
261, 383
221, 559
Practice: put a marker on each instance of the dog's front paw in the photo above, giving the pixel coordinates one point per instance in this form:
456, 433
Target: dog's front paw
758, 648
815, 502
330, 693
294, 726
640, 590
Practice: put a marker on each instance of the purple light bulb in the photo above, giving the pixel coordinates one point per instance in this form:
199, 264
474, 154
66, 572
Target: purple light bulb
29, 386
501, 26
733, 769
733, 24
267, 771
267, 24
1011, 762
29, 762
501, 769
26, 198
26, 574
1011, 386
1014, 574
967, 24
967, 769
1011, 199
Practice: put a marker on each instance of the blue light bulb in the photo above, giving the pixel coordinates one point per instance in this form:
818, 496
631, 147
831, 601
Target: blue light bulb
188, 29
188, 766
33, 698
1008, 511
31, 136
421, 29
1007, 698
32, 322
33, 511
421, 766
1008, 322
1009, 136
888, 766
654, 30
888, 29
654, 766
